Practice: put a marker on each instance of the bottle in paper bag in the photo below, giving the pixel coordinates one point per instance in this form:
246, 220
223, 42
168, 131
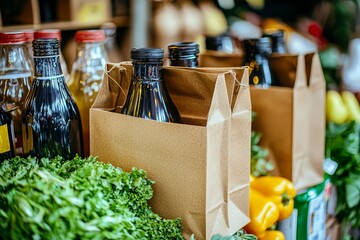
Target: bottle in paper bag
257, 52
184, 54
147, 96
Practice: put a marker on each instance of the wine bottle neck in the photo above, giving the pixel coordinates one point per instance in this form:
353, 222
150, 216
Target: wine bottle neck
48, 66
193, 63
145, 71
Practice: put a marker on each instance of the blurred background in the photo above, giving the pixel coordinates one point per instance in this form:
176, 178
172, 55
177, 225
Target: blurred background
327, 26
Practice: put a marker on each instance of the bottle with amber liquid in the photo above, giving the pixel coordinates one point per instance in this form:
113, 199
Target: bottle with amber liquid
7, 149
15, 78
50, 120
256, 54
147, 96
184, 54
87, 74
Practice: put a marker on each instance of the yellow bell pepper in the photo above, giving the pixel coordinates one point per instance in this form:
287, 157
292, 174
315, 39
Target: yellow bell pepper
273, 235
263, 213
280, 190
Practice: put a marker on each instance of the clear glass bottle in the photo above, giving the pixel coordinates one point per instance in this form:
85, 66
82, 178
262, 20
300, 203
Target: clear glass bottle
111, 46
87, 74
277, 40
257, 52
51, 120
29, 37
222, 42
184, 54
54, 33
7, 149
15, 78
147, 96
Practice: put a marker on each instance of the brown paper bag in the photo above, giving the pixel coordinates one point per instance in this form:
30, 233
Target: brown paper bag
291, 118
201, 167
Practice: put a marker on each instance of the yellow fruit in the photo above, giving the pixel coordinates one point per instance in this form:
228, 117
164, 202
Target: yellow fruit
352, 105
336, 110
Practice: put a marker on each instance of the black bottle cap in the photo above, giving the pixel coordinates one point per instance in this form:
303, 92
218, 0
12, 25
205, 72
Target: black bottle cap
257, 45
183, 50
147, 54
46, 47
276, 36
216, 42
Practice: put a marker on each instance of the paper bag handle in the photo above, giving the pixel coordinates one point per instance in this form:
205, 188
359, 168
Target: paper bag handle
316, 73
300, 78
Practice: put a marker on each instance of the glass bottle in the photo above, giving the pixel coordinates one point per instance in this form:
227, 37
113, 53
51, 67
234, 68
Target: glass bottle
87, 74
51, 120
54, 33
15, 78
184, 54
257, 52
222, 42
29, 37
7, 149
147, 96
111, 46
277, 40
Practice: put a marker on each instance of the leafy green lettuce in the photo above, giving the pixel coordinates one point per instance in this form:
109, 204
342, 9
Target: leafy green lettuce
77, 199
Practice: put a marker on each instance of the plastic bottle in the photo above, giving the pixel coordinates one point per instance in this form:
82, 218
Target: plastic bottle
147, 96
87, 74
54, 33
184, 54
51, 120
15, 78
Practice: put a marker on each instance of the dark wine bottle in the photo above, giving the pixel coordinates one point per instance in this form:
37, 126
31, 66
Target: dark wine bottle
257, 52
184, 54
147, 96
222, 43
7, 149
277, 41
51, 120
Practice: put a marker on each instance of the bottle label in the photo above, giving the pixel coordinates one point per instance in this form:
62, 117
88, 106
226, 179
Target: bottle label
4, 139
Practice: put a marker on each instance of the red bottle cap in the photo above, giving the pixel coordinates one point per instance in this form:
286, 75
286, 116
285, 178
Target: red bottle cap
90, 36
48, 33
12, 37
29, 35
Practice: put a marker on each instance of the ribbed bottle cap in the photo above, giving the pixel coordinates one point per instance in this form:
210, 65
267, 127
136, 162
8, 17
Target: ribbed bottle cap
183, 50
48, 33
90, 36
46, 47
257, 45
29, 35
147, 54
215, 42
12, 37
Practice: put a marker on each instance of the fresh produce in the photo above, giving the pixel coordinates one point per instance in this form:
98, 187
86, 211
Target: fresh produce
260, 166
263, 213
343, 147
240, 235
273, 235
342, 107
336, 110
279, 190
352, 105
77, 199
